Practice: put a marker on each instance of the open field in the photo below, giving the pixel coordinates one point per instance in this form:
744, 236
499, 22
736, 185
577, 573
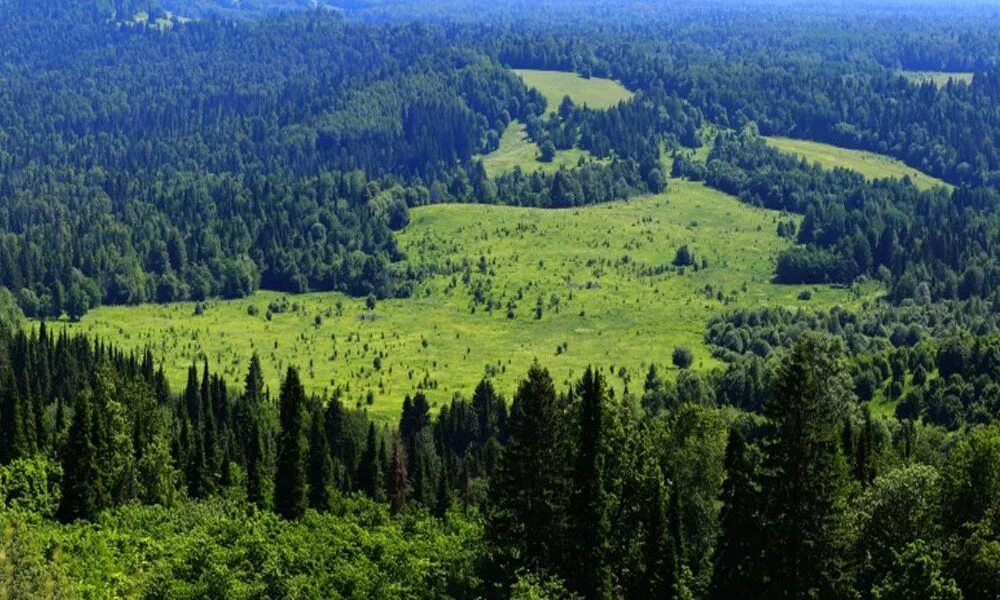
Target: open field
556, 85
869, 164
938, 78
600, 274
516, 150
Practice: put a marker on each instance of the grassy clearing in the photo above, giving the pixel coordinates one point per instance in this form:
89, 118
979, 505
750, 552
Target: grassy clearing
516, 150
555, 85
597, 272
938, 78
869, 164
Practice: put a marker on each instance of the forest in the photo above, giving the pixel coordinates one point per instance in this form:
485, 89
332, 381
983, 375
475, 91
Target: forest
838, 440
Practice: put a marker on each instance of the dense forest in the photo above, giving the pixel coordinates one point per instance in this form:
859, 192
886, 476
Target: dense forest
197, 149
668, 493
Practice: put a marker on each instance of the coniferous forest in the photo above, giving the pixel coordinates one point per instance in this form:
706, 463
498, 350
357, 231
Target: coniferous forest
161, 151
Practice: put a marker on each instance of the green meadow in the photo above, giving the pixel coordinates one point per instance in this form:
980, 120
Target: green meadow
506, 286
594, 92
869, 164
516, 150
938, 78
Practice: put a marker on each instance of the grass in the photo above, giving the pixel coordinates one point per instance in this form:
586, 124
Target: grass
516, 150
555, 85
938, 78
869, 164
598, 273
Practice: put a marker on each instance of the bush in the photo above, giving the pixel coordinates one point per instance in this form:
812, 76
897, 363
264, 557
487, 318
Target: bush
683, 357
684, 257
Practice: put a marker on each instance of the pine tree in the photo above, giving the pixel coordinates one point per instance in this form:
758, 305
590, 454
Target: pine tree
320, 463
590, 517
737, 554
804, 472
290, 477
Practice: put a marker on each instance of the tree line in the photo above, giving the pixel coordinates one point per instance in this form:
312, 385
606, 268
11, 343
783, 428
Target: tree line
660, 494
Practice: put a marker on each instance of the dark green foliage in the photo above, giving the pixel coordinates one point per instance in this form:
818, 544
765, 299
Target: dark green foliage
83, 491
684, 257
682, 357
527, 513
738, 554
320, 471
290, 470
804, 473
590, 506
369, 478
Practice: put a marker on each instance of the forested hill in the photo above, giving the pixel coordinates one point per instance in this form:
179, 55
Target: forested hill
140, 164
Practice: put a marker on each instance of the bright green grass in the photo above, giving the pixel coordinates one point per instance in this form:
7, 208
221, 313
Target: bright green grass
938, 78
591, 259
555, 85
516, 150
869, 164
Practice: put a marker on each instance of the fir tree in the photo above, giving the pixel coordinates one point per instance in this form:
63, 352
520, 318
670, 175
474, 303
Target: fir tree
369, 475
804, 472
290, 477
527, 517
590, 518
320, 463
83, 493
397, 480
736, 560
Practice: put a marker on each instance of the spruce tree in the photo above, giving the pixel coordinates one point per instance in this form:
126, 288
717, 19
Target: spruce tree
320, 463
83, 496
736, 560
659, 559
591, 524
527, 524
14, 438
397, 480
255, 466
864, 469
290, 477
805, 472
369, 477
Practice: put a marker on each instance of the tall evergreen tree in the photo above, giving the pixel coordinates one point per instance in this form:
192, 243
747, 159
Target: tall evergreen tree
660, 562
804, 472
83, 493
290, 476
397, 480
736, 560
320, 462
527, 524
255, 474
369, 477
14, 419
591, 525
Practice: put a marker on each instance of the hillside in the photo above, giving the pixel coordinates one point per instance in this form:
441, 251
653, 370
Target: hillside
603, 275
869, 164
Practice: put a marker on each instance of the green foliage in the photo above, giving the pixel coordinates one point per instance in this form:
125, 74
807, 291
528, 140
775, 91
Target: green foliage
31, 485
604, 299
682, 357
805, 473
916, 573
290, 470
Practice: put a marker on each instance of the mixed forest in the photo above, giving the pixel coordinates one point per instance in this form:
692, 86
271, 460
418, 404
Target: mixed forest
710, 339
